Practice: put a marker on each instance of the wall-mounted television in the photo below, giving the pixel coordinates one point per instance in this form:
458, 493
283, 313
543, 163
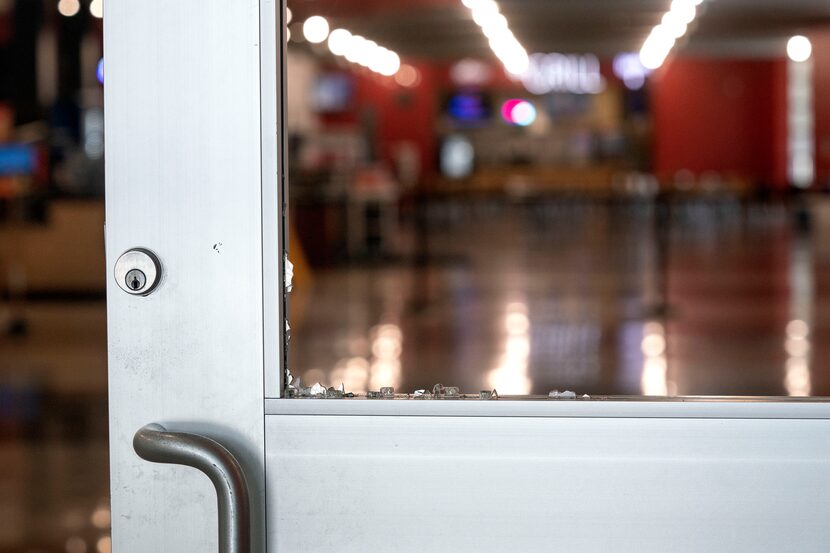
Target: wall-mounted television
332, 93
469, 108
17, 159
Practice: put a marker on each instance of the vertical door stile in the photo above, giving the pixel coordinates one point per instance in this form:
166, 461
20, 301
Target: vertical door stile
189, 170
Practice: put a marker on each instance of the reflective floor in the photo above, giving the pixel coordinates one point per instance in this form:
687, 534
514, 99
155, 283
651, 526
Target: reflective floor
54, 481
525, 299
692, 298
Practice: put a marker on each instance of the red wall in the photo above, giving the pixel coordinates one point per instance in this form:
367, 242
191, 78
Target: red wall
400, 114
708, 115
721, 115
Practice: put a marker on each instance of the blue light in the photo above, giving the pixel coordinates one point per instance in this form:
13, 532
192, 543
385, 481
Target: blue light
16, 160
99, 71
469, 108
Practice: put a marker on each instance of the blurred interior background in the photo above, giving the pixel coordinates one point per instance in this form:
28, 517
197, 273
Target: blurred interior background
606, 196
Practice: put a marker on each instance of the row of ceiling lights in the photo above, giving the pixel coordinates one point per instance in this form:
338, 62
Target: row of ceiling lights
674, 25
656, 48
665, 35
504, 44
514, 57
354, 48
379, 59
70, 8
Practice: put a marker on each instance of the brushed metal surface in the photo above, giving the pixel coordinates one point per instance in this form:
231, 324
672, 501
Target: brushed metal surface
495, 484
724, 408
184, 178
274, 191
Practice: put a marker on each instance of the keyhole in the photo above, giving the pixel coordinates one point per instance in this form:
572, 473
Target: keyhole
136, 280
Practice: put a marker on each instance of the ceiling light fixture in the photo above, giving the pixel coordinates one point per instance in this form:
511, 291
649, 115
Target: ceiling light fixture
96, 8
316, 29
69, 8
799, 48
664, 36
493, 24
366, 53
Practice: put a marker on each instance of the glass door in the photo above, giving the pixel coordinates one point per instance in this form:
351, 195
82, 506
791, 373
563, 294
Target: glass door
367, 450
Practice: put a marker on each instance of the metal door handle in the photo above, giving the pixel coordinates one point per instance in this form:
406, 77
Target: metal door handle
156, 444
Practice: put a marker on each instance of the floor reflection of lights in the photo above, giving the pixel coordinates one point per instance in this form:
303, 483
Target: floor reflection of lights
510, 376
654, 381
585, 279
387, 345
797, 378
381, 367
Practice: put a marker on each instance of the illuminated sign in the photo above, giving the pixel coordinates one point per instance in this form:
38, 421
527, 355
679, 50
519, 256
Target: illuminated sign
520, 113
575, 73
470, 72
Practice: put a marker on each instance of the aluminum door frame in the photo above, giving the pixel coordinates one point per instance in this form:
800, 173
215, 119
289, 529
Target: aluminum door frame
193, 154
192, 164
639, 476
